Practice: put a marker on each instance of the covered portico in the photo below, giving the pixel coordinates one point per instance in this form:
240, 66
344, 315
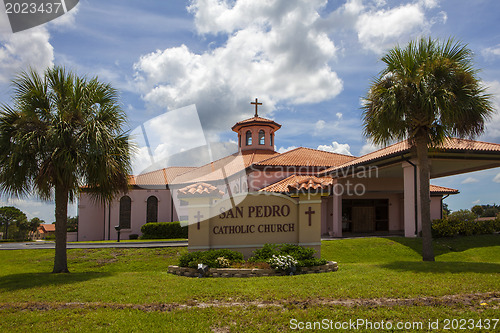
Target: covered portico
389, 178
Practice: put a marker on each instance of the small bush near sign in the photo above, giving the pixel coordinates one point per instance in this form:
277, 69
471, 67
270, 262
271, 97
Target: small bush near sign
270, 254
164, 230
303, 255
211, 258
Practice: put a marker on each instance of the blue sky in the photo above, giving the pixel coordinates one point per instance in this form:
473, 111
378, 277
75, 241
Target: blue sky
309, 62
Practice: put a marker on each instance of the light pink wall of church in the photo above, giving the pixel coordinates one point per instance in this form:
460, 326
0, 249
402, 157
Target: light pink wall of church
436, 208
90, 219
94, 220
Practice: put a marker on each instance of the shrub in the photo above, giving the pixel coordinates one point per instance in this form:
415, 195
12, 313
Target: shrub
463, 222
264, 253
133, 236
210, 258
303, 255
164, 230
282, 262
443, 228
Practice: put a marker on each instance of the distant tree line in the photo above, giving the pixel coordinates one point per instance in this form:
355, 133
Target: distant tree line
15, 225
486, 210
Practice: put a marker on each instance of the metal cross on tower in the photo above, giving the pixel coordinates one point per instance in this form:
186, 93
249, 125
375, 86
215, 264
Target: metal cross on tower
256, 103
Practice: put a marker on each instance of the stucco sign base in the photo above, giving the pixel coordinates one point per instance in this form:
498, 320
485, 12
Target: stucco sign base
256, 220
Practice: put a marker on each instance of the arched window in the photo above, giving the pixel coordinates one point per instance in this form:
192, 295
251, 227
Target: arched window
152, 209
271, 143
239, 141
249, 138
262, 137
125, 212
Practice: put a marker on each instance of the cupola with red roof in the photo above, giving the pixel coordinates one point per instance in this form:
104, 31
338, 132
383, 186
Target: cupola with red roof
256, 132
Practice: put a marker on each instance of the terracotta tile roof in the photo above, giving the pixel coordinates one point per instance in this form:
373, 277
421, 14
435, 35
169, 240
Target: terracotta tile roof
310, 183
442, 190
158, 177
47, 227
307, 157
200, 190
294, 182
224, 167
254, 121
449, 145
291, 183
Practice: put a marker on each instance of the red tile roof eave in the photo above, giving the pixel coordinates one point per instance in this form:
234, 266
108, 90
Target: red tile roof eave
432, 154
349, 166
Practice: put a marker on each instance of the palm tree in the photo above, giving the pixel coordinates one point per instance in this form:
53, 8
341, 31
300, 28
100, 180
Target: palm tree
62, 133
428, 91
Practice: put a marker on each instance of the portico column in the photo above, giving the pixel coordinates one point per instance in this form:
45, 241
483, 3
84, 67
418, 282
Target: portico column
337, 211
411, 202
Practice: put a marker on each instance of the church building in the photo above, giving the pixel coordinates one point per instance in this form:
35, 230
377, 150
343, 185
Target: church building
374, 194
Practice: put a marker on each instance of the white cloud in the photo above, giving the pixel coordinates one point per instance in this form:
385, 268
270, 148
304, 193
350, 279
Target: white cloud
339, 115
23, 49
161, 139
377, 30
497, 178
320, 124
273, 51
284, 150
475, 202
336, 147
493, 125
379, 27
28, 48
369, 147
492, 51
469, 180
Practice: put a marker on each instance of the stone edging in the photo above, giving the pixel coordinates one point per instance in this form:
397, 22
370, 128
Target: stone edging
331, 266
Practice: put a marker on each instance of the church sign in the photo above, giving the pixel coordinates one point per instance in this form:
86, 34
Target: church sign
257, 219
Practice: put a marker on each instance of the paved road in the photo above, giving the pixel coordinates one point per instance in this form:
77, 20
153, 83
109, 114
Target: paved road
51, 245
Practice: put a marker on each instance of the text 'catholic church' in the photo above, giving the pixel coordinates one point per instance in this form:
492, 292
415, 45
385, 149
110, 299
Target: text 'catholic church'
374, 194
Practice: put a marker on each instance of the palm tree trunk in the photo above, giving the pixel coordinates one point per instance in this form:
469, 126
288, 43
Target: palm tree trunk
60, 259
425, 199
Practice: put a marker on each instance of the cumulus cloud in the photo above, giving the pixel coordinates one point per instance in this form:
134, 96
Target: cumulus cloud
379, 29
23, 49
284, 150
369, 147
379, 26
492, 51
335, 147
469, 180
493, 125
497, 178
272, 50
28, 48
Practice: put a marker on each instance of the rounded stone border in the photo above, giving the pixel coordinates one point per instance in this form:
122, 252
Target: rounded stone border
331, 266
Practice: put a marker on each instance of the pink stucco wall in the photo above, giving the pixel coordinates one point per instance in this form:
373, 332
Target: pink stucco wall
97, 222
436, 208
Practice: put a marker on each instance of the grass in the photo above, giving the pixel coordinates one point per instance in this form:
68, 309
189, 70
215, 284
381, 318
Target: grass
108, 283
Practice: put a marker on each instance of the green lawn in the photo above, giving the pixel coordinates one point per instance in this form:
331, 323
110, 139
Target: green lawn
110, 289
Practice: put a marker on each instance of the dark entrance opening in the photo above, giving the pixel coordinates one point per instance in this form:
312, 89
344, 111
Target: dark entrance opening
365, 215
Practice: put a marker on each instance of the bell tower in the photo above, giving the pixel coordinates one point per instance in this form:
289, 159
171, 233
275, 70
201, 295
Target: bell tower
256, 133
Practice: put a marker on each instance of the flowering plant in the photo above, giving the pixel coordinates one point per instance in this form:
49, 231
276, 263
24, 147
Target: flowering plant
282, 262
223, 262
